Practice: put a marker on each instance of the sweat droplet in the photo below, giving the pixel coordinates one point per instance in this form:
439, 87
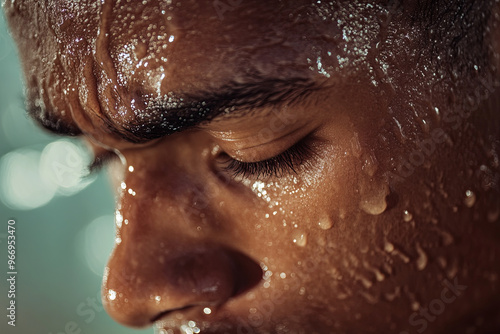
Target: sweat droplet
391, 249
379, 276
422, 258
370, 164
470, 199
388, 247
325, 223
356, 146
364, 281
373, 201
300, 239
407, 216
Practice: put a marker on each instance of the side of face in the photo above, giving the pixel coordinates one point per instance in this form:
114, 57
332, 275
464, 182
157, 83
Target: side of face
352, 181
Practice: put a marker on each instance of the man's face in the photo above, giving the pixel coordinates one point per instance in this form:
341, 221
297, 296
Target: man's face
284, 166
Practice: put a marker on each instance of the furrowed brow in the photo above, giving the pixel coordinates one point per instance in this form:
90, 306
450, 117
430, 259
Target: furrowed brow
166, 116
234, 100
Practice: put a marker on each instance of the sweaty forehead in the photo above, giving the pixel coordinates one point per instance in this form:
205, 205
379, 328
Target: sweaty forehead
175, 43
200, 43
112, 56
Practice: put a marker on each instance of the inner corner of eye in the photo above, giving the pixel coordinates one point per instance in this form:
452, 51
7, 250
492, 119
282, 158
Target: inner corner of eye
216, 150
223, 157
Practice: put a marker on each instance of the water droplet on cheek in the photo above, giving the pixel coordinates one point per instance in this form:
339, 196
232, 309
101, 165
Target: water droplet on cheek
300, 239
356, 146
373, 200
407, 216
261, 189
325, 223
391, 249
370, 164
470, 199
388, 247
422, 258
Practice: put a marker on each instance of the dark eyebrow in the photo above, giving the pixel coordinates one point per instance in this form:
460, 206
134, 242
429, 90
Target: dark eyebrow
166, 116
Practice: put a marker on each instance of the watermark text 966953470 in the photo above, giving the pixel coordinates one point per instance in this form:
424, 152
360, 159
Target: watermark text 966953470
11, 272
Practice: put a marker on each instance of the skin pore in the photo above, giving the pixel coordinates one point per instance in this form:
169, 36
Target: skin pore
284, 166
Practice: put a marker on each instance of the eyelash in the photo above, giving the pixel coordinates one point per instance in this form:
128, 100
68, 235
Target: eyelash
285, 163
100, 161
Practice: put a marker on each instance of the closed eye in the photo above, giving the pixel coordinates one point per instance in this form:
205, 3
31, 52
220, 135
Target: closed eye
283, 164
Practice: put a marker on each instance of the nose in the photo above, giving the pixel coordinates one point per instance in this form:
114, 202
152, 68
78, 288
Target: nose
170, 258
144, 285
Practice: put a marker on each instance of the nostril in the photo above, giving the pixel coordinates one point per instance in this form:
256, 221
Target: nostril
166, 313
214, 279
206, 275
214, 275
248, 273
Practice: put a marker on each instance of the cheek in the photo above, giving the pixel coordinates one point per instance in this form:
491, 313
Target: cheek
337, 187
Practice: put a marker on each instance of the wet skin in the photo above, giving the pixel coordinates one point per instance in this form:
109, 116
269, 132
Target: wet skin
293, 167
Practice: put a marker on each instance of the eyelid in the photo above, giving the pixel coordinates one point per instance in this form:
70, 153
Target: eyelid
251, 149
287, 162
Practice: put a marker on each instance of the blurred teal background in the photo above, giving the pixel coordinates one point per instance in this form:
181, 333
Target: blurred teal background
64, 223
